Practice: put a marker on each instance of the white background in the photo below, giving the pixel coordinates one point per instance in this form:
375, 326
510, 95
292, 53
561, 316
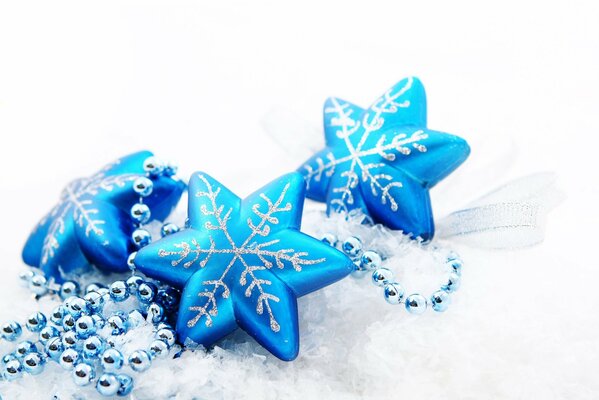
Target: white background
82, 83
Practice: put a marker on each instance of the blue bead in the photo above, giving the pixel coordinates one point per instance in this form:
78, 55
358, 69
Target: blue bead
167, 336
440, 300
70, 339
12, 370
158, 349
131, 261
141, 237
352, 246
85, 327
76, 306
143, 186
168, 298
168, 229
69, 359
68, 322
93, 347
108, 384
11, 331
416, 304
393, 293
48, 333
38, 285
133, 283
25, 348
170, 169
33, 363
140, 213
36, 322
153, 166
146, 292
453, 283
370, 260
330, 239
95, 301
83, 374
456, 265
68, 289
382, 276
117, 324
93, 287
119, 291
155, 313
140, 360
58, 313
112, 359
54, 348
8, 357
126, 383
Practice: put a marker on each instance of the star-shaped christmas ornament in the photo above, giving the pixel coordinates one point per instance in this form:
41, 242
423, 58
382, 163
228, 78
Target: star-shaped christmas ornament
383, 159
91, 224
243, 263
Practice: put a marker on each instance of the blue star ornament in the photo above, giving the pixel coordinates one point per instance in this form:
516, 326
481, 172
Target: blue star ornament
383, 159
243, 263
91, 224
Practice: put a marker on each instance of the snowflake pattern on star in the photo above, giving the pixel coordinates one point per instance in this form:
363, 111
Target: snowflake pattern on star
243, 263
383, 159
91, 222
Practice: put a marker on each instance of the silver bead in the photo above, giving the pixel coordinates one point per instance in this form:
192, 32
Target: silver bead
330, 239
33, 363
12, 370
381, 276
394, 293
352, 246
168, 229
133, 283
456, 266
69, 339
416, 304
370, 260
76, 306
93, 287
68, 323
140, 213
131, 261
24, 348
38, 284
167, 336
85, 327
58, 313
140, 360
117, 324
141, 237
108, 384
440, 300
54, 348
453, 283
153, 166
143, 186
93, 346
25, 277
126, 385
158, 349
69, 358
95, 301
11, 331
36, 322
48, 333
146, 292
68, 289
83, 374
112, 359
119, 291
155, 313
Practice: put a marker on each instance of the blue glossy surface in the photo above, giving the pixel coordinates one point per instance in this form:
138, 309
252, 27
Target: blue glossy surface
92, 222
243, 263
383, 159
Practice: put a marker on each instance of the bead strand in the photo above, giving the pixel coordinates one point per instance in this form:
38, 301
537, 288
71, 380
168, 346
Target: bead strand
393, 291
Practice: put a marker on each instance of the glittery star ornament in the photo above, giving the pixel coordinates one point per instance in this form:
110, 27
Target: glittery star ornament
91, 224
383, 159
243, 263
